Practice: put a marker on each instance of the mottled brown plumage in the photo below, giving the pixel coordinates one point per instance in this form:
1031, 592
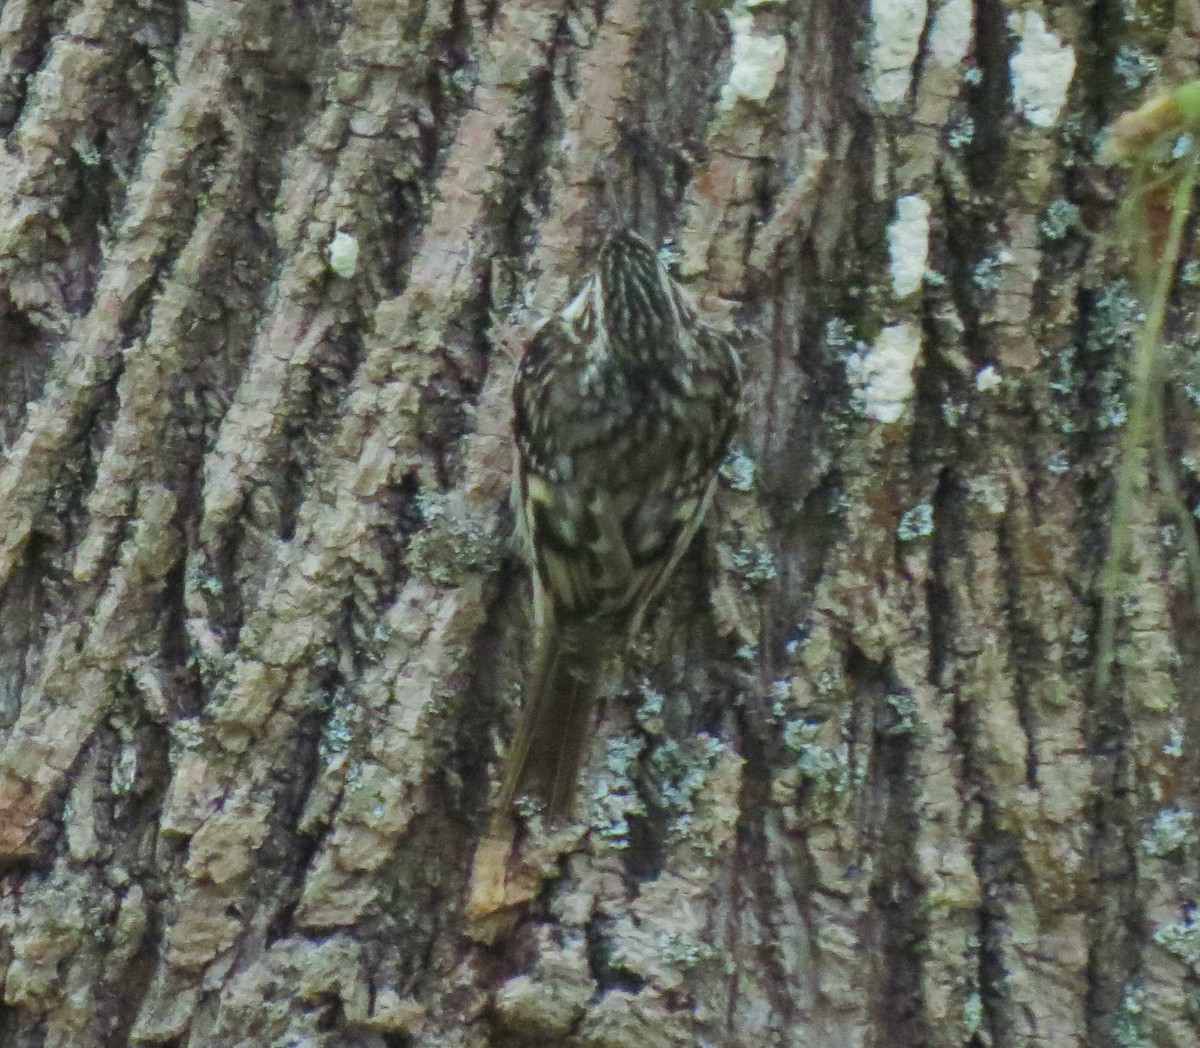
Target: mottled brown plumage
625, 404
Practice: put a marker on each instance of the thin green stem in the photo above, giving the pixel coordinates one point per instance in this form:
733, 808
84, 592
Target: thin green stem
1176, 505
1144, 423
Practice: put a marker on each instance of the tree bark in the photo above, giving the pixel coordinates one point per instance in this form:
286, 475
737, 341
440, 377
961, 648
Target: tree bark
264, 272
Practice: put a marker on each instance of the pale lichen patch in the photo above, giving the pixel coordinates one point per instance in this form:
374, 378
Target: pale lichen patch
908, 244
343, 254
883, 373
894, 46
953, 27
1042, 67
988, 379
757, 61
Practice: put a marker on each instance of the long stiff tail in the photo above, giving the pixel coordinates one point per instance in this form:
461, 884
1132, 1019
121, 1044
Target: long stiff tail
559, 697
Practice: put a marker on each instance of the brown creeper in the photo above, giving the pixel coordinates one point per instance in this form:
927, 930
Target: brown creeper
625, 404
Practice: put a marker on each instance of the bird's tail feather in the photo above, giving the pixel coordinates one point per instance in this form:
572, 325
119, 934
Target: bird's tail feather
556, 711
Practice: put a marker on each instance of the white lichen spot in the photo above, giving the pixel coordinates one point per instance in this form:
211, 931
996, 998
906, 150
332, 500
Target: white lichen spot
953, 27
882, 374
343, 254
897, 35
1041, 68
988, 378
908, 244
757, 61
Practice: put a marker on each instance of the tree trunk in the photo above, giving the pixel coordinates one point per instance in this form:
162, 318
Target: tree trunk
265, 269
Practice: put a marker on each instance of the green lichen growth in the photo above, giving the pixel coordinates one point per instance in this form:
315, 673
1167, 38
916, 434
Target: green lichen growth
124, 769
1115, 319
1173, 747
756, 565
988, 273
685, 951
339, 732
916, 523
973, 1013
1129, 1026
747, 652
903, 709
1173, 831
1181, 939
187, 733
1060, 218
781, 690
961, 134
738, 471
826, 767
452, 546
613, 800
953, 412
88, 154
679, 770
839, 337
1134, 67
649, 714
1058, 464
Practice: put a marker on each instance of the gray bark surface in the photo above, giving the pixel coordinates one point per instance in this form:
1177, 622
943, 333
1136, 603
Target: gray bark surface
264, 272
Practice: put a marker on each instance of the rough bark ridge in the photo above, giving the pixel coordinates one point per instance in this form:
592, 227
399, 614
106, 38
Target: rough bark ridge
263, 269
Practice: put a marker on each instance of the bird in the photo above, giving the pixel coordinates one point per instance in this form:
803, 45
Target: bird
625, 403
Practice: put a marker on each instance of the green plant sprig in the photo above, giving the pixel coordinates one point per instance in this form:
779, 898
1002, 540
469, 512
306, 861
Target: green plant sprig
1160, 141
